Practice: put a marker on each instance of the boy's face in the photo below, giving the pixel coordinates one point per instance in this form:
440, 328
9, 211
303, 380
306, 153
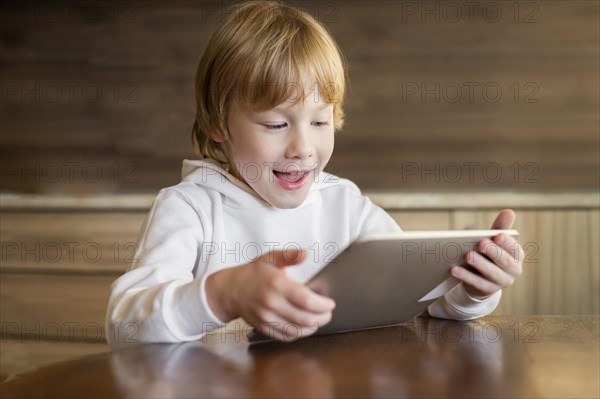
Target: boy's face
280, 152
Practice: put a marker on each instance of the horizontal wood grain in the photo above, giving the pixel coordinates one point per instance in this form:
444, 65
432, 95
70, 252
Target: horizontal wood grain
54, 307
131, 68
412, 220
93, 242
389, 200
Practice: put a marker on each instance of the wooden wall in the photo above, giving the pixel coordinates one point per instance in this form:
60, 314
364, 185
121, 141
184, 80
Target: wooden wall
98, 96
58, 261
57, 265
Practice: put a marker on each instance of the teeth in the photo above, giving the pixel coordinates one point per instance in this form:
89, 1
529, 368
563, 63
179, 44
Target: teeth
292, 177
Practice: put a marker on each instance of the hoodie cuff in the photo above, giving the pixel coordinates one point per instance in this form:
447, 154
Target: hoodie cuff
468, 307
192, 317
204, 301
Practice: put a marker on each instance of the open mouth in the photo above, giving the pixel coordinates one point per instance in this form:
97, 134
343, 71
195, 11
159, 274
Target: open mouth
291, 177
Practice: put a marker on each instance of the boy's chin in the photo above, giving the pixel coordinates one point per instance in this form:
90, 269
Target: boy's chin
288, 202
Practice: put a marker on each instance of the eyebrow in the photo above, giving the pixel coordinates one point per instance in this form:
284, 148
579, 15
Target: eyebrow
326, 105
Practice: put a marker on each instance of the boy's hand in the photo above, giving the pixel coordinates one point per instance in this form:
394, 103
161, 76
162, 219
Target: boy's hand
503, 265
262, 294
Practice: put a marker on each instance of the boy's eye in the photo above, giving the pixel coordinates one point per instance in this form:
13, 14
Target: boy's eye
275, 127
282, 125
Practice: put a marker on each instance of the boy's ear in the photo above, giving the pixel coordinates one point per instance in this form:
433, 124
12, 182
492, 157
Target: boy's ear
217, 138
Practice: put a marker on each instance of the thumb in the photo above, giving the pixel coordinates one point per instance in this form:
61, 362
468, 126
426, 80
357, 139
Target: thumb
504, 220
286, 257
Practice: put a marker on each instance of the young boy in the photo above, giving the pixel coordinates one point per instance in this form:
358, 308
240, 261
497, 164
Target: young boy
257, 216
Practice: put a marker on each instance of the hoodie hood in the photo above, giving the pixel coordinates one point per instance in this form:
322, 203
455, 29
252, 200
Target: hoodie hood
213, 175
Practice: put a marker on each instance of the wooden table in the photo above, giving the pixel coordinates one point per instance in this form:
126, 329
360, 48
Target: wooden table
529, 356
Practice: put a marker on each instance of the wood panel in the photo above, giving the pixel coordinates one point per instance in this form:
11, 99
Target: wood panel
415, 220
594, 254
97, 97
54, 311
54, 307
560, 270
92, 242
560, 276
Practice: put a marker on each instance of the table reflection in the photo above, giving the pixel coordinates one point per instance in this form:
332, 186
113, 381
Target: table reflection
523, 356
466, 359
458, 359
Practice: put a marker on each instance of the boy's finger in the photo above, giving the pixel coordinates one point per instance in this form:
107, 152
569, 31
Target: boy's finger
274, 328
287, 257
489, 271
282, 329
510, 245
479, 282
306, 299
283, 309
504, 220
302, 318
497, 256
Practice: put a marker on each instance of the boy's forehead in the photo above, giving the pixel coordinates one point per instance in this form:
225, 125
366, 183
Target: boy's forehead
309, 104
303, 94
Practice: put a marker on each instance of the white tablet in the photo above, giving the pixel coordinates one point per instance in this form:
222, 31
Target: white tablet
387, 279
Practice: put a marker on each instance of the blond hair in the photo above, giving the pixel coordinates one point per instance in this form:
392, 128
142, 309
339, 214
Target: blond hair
262, 55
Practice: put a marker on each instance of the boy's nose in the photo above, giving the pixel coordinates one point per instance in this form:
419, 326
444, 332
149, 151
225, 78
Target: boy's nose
299, 146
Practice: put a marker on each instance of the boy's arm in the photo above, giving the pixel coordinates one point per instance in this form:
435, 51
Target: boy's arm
372, 219
159, 300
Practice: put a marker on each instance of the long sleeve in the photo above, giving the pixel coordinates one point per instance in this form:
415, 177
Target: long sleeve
159, 300
373, 219
457, 304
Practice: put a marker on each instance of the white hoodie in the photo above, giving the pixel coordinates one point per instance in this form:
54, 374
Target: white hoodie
211, 221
